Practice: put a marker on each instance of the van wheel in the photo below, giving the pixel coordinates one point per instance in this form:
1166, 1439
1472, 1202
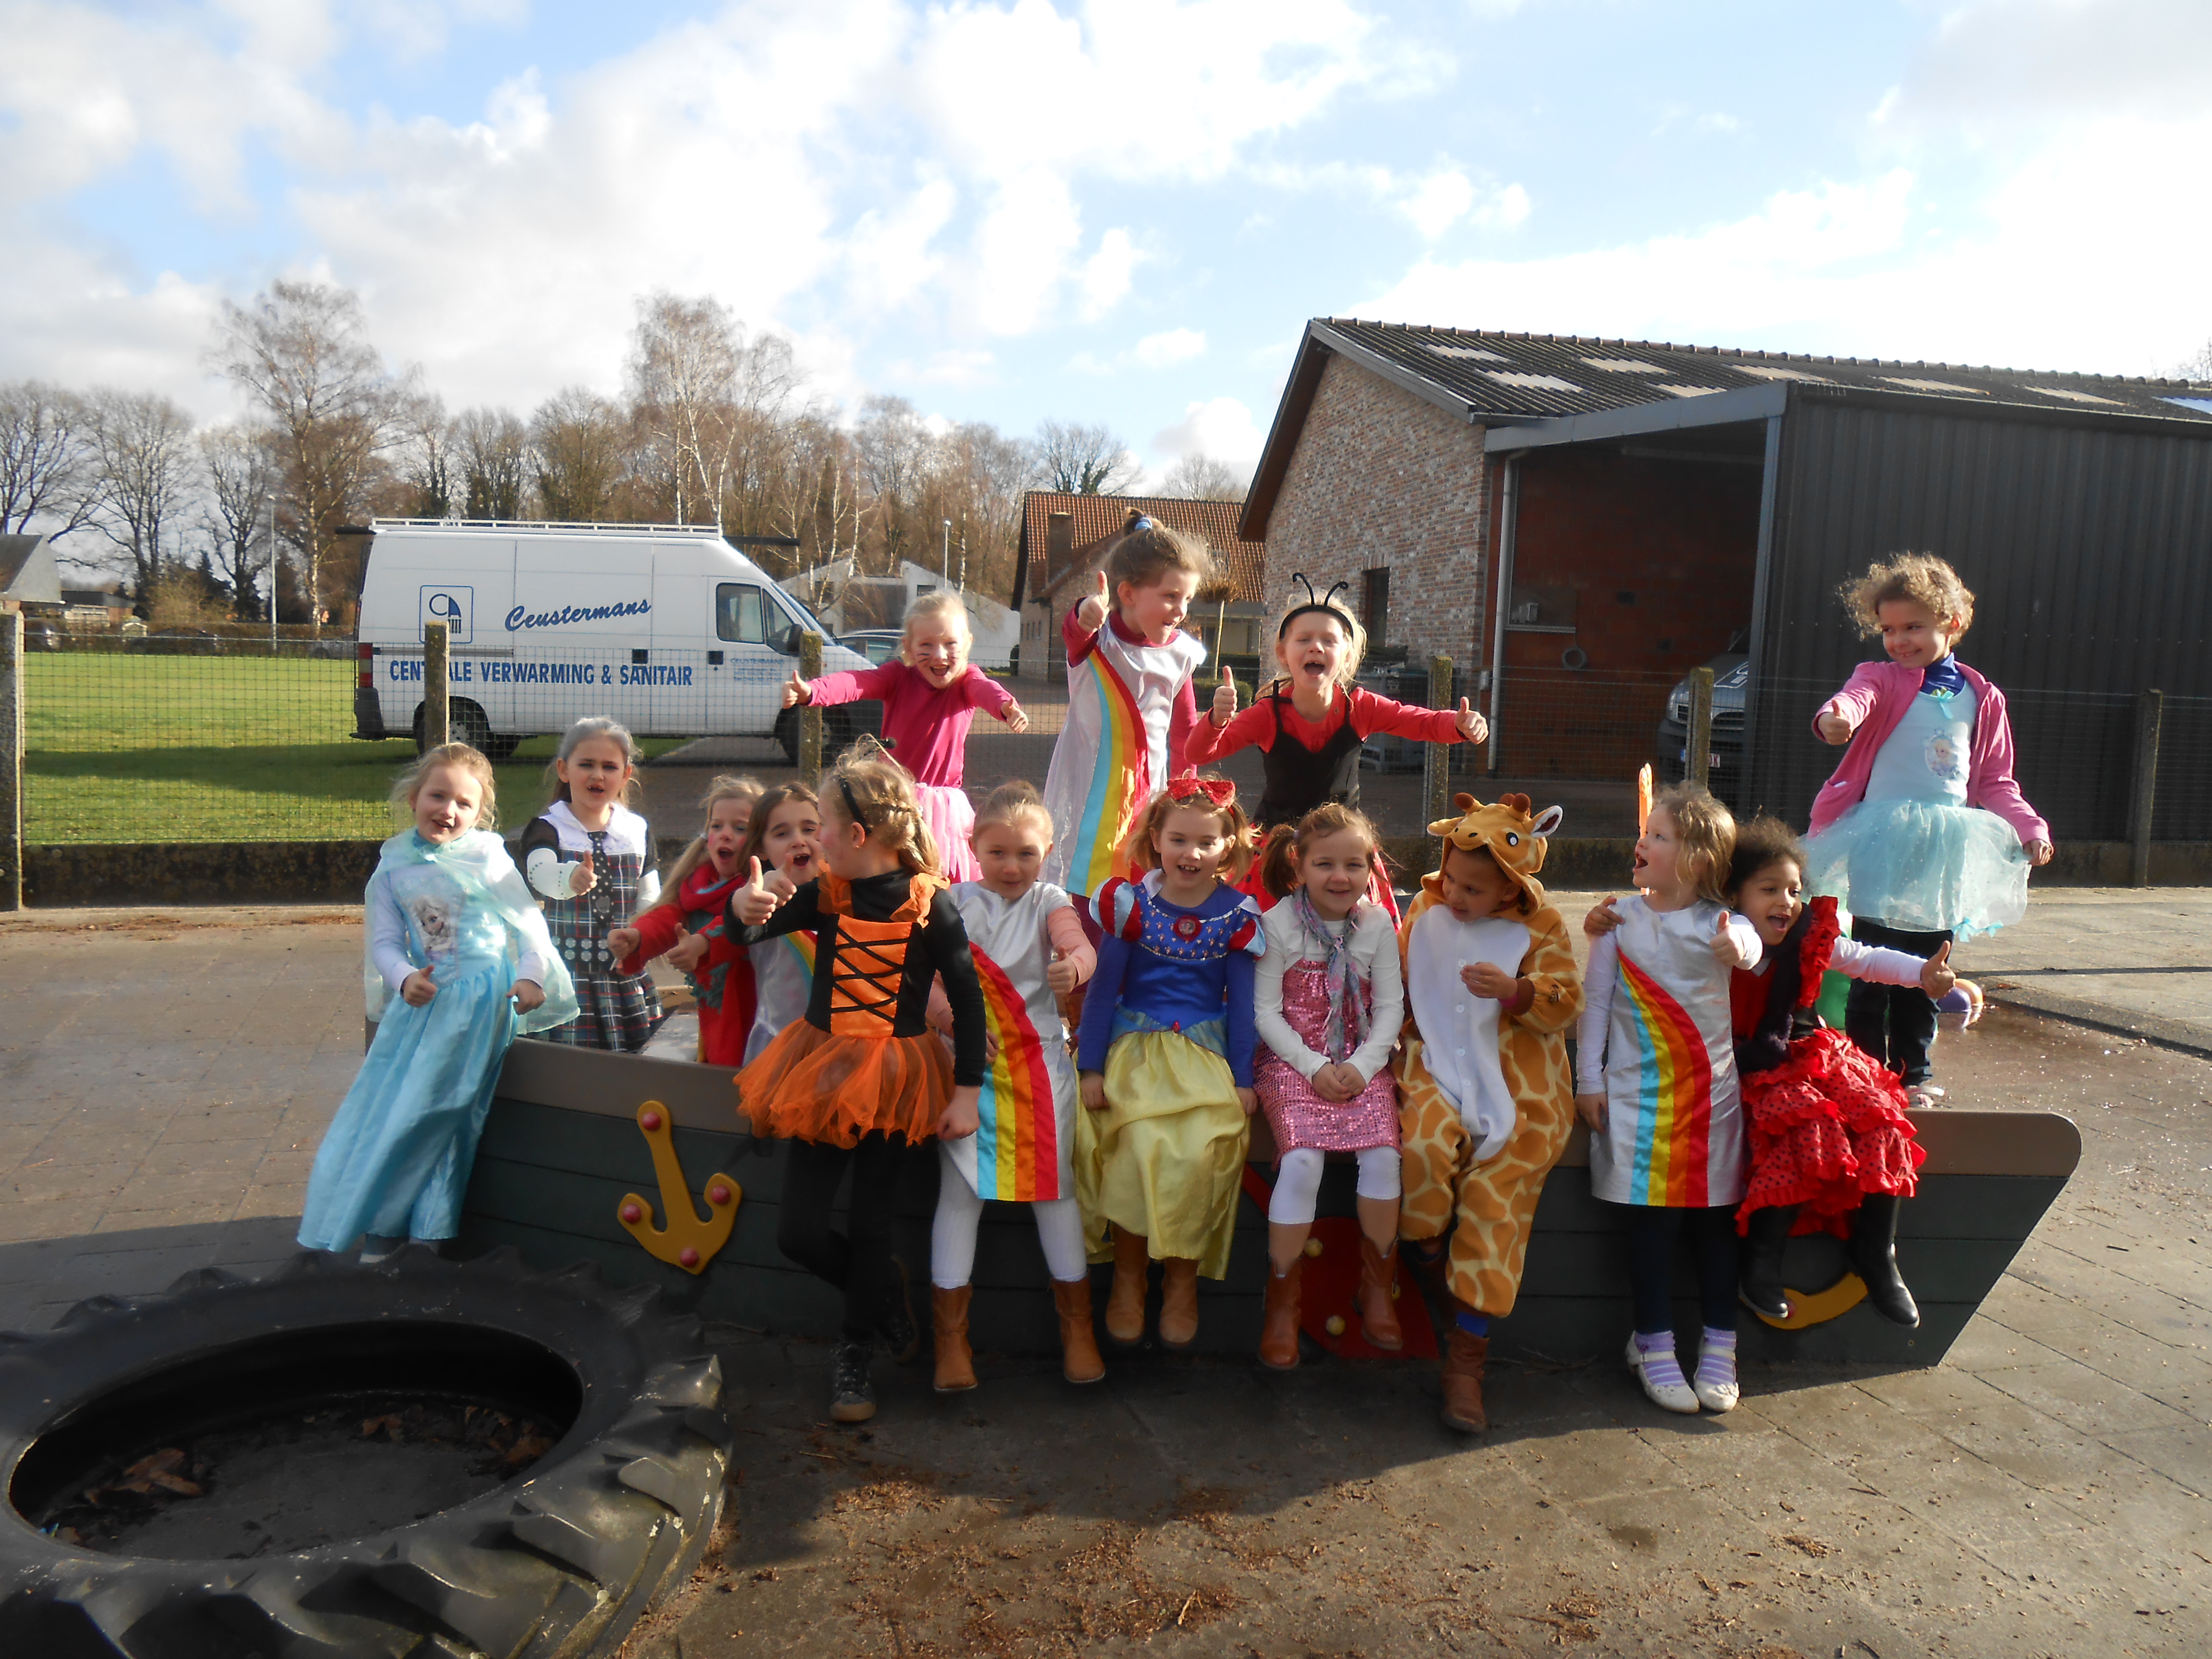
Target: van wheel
501, 748
470, 725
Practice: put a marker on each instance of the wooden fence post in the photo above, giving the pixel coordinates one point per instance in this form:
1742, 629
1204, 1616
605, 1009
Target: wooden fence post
11, 761
437, 724
1436, 759
1698, 762
810, 717
2150, 713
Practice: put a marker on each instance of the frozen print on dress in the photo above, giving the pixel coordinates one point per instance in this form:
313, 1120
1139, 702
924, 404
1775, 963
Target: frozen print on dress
434, 906
1946, 758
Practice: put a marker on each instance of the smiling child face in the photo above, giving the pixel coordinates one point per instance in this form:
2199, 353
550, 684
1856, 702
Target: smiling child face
1333, 870
791, 841
1771, 896
1312, 651
936, 647
1012, 851
1913, 635
1190, 844
447, 802
1472, 886
1157, 610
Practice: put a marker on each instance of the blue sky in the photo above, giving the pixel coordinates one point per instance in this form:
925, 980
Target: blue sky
1124, 211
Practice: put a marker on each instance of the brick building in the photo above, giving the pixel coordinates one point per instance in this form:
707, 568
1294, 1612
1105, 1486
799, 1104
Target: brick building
1655, 507
1064, 536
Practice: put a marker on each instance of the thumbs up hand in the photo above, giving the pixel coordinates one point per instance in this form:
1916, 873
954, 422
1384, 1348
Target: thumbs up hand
417, 988
1936, 978
1225, 697
1472, 728
688, 952
622, 943
1061, 976
796, 690
583, 877
1724, 946
753, 903
1090, 615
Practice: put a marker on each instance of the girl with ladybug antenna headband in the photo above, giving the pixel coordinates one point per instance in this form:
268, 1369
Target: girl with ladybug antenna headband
1310, 722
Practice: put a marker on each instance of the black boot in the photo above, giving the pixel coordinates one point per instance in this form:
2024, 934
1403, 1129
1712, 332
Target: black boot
1760, 1288
900, 1336
1874, 1258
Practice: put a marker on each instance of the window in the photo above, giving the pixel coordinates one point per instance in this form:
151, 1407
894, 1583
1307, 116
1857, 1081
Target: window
1375, 604
743, 614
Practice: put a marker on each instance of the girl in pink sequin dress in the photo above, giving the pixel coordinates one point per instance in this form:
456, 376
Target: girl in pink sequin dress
1328, 1000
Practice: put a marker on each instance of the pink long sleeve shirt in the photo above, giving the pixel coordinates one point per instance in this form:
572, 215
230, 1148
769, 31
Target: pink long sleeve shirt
1874, 700
925, 728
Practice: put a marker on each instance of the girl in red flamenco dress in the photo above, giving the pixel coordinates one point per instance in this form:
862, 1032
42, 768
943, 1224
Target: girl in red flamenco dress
1831, 1149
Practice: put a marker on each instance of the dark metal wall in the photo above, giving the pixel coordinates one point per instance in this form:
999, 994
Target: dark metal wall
2089, 551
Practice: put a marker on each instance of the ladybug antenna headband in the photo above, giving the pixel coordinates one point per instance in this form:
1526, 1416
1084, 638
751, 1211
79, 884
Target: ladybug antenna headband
1324, 603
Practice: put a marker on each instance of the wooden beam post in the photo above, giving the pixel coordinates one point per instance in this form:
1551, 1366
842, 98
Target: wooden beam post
810, 717
11, 761
1436, 761
2150, 714
1698, 764
437, 722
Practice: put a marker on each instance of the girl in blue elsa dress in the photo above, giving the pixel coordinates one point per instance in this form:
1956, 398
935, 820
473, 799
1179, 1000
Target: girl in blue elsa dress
453, 931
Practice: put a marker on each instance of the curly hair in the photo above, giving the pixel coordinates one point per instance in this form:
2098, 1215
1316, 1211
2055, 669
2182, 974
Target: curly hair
1278, 870
1927, 581
1140, 853
461, 758
1765, 840
1705, 831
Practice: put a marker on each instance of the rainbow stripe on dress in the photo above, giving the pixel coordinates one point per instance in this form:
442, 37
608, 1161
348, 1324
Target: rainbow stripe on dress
1675, 1096
802, 946
1121, 780
1017, 1144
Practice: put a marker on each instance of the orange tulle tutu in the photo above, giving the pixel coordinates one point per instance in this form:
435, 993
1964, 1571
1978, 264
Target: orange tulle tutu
813, 1084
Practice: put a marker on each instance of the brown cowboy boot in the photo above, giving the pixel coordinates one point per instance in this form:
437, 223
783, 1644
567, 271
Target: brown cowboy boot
1178, 1303
1464, 1358
1078, 1345
956, 1365
1279, 1322
1379, 1292
1125, 1302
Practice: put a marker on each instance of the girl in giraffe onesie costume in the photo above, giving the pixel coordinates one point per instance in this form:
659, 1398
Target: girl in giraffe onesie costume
1487, 1097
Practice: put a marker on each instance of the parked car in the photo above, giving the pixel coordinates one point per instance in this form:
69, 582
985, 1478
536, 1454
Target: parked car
1731, 675
878, 645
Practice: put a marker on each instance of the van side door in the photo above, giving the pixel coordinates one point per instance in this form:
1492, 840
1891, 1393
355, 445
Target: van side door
754, 638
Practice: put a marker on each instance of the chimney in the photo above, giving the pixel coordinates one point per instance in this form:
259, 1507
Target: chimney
1059, 544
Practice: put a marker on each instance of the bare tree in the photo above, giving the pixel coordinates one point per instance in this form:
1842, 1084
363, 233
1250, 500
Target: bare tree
2197, 370
43, 470
302, 353
577, 455
424, 455
241, 474
896, 455
494, 457
141, 465
702, 396
1081, 458
1200, 477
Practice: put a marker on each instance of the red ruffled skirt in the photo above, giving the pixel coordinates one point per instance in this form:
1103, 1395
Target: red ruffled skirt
1828, 1128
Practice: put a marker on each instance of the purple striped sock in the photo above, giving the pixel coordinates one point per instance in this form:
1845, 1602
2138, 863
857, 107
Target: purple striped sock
1716, 1359
1659, 1364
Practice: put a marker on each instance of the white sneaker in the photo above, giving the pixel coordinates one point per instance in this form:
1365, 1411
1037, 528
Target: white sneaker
1715, 1393
1669, 1393
1921, 1096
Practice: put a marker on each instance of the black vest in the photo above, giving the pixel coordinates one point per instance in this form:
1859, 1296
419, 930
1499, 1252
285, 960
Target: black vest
1299, 779
1768, 1045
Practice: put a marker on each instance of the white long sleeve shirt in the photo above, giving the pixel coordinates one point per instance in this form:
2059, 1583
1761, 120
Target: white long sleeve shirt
1374, 948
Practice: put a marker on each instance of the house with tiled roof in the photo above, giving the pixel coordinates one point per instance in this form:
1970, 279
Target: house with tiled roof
1584, 519
29, 575
1064, 537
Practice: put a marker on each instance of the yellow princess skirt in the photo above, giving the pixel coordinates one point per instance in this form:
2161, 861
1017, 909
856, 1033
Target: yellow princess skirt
1165, 1156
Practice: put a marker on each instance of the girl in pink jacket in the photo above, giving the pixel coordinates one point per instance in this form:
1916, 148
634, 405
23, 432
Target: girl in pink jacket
1922, 833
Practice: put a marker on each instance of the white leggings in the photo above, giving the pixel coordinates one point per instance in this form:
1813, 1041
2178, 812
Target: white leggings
959, 1213
1297, 1185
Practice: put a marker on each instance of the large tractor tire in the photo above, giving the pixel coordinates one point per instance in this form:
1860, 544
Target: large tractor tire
555, 1562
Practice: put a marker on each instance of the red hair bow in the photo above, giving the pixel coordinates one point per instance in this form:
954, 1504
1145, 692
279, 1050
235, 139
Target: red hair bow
1220, 791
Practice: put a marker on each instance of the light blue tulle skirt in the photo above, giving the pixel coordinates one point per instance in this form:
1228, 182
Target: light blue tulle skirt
396, 1159
1924, 865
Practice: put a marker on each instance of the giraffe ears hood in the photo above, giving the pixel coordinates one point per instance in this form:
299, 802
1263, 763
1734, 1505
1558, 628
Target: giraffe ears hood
1513, 832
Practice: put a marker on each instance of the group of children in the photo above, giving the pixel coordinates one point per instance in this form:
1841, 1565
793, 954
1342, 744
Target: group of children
887, 965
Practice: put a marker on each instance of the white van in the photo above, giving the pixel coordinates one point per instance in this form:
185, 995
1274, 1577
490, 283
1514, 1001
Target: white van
666, 628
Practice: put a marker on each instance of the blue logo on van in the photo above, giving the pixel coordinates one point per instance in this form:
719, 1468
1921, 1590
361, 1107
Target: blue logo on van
518, 618
456, 607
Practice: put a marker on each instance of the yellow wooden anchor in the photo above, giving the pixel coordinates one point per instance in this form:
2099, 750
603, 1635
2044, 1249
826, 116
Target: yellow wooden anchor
687, 1241
1818, 1307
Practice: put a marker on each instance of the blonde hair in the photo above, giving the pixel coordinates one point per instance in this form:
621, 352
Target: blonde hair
868, 787
1925, 581
1141, 854
1012, 803
1278, 871
583, 732
765, 808
939, 602
1148, 550
1705, 829
1355, 636
724, 788
461, 758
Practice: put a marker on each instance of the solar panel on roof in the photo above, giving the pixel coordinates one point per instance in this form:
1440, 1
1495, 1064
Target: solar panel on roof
1690, 391
2076, 397
1532, 382
1623, 366
1764, 372
1472, 354
1933, 385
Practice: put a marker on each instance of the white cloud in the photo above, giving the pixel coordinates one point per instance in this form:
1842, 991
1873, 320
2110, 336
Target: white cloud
1107, 273
1174, 345
1438, 202
1220, 426
2026, 63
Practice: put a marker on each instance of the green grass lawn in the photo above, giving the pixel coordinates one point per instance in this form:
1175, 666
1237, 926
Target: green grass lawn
155, 748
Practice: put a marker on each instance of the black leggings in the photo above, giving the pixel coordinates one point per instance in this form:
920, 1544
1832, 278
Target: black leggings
857, 1260
1895, 1023
1651, 1235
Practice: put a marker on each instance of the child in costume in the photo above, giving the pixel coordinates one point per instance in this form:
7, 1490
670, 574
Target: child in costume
1029, 949
1310, 722
591, 858
1657, 1083
1831, 1149
1486, 1098
1922, 833
1165, 1053
689, 931
1327, 1002
453, 931
1129, 701
930, 697
785, 837
861, 1081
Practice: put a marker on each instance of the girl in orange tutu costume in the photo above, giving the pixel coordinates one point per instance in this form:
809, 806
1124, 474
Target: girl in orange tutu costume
861, 1081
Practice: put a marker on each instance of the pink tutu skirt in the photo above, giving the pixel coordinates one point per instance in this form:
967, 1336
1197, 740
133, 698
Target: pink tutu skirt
951, 816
